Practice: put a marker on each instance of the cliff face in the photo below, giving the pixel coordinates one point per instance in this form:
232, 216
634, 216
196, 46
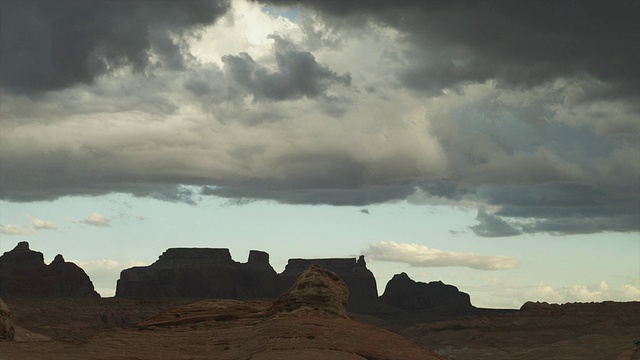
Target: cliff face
199, 273
407, 294
23, 273
212, 273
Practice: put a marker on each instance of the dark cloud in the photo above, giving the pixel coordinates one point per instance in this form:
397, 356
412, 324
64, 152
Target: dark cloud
49, 45
549, 144
360, 196
365, 211
585, 225
297, 75
492, 226
517, 43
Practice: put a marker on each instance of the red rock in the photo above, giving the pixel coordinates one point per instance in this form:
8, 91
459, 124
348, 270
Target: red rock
318, 291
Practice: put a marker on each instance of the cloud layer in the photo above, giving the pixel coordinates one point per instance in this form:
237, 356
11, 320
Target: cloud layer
423, 256
32, 227
511, 108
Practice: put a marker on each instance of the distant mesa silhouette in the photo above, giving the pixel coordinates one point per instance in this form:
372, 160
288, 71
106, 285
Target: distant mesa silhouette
23, 274
212, 273
201, 273
404, 293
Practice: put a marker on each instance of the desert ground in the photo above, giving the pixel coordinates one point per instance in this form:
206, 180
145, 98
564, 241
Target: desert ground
112, 328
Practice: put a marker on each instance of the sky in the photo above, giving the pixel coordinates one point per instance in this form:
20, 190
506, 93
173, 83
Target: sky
492, 145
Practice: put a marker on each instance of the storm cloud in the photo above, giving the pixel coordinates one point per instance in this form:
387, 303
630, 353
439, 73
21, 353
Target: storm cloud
298, 74
525, 112
519, 44
53, 45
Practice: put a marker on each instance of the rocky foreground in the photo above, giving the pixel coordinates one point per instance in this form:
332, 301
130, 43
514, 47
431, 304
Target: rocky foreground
598, 331
308, 321
88, 328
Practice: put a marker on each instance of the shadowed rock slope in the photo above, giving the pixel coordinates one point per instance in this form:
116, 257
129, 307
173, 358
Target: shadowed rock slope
7, 330
23, 273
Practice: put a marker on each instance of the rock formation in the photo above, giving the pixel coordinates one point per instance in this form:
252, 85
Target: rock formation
359, 279
212, 273
404, 293
316, 290
201, 273
206, 272
6, 325
23, 273
307, 322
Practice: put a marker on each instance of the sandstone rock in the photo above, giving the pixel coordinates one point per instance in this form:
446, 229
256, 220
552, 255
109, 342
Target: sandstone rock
23, 273
316, 290
359, 279
201, 273
404, 293
7, 330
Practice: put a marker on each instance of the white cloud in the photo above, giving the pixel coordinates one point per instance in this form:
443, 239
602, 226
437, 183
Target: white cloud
600, 291
105, 265
39, 224
514, 294
104, 273
423, 256
15, 230
28, 229
96, 219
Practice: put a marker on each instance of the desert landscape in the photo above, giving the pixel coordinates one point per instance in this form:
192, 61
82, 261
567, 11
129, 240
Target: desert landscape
313, 318
396, 179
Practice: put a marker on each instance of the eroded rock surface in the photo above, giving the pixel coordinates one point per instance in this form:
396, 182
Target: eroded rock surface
354, 273
23, 273
7, 330
317, 291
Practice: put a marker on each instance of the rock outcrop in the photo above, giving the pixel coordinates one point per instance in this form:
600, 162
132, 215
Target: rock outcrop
7, 331
404, 293
317, 291
201, 273
359, 279
23, 273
